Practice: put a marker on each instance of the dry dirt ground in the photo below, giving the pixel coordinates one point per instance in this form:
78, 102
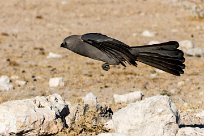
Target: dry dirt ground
29, 30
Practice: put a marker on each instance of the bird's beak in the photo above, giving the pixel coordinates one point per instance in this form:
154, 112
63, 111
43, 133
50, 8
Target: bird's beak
62, 45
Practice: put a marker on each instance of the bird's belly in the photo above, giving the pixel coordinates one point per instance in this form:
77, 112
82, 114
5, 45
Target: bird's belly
95, 53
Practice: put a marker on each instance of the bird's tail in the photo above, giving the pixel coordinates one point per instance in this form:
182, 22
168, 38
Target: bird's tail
164, 56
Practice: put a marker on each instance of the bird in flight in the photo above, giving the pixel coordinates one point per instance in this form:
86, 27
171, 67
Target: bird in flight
164, 56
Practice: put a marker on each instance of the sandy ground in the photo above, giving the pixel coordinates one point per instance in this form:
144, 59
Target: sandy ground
31, 29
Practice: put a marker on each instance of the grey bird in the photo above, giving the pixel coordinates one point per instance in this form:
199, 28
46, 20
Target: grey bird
165, 56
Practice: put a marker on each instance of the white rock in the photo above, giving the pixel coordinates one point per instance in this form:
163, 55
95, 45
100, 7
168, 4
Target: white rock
128, 98
180, 83
14, 77
174, 30
198, 52
200, 114
56, 82
147, 33
154, 116
185, 45
153, 42
153, 75
90, 99
64, 2
5, 84
159, 71
134, 34
112, 134
53, 56
36, 116
189, 131
20, 82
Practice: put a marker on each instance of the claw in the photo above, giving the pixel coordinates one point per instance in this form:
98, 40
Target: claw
106, 66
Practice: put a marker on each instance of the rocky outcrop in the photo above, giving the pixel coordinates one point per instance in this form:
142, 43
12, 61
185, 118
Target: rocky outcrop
190, 131
154, 116
37, 116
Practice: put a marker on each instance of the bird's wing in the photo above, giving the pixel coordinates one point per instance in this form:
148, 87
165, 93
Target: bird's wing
113, 48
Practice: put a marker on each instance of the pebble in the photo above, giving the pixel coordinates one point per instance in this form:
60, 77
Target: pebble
159, 71
185, 45
56, 82
90, 99
181, 83
200, 114
53, 56
20, 82
134, 34
154, 75
196, 52
14, 77
5, 84
147, 33
128, 98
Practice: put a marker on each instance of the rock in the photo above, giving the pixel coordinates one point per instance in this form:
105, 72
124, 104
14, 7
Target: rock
153, 75
53, 56
180, 83
147, 33
112, 134
190, 131
90, 99
20, 82
56, 82
154, 116
198, 52
128, 98
200, 114
186, 45
159, 71
5, 84
14, 77
134, 34
37, 116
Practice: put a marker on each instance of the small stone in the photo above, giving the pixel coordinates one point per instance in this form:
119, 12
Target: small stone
174, 30
147, 33
64, 2
154, 75
14, 77
159, 71
134, 34
181, 83
128, 98
53, 56
20, 82
90, 99
200, 114
185, 45
56, 82
5, 84
197, 52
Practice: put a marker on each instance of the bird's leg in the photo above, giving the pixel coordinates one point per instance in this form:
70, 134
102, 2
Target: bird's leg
106, 66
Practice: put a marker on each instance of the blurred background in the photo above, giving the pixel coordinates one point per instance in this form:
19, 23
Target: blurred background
31, 33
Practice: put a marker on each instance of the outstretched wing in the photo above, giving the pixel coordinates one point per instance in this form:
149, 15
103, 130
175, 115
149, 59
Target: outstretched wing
113, 48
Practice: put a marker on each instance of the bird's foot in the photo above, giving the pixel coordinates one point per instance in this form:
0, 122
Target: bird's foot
106, 66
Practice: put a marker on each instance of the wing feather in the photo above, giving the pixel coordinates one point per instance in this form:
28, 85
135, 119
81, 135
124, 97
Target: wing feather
113, 48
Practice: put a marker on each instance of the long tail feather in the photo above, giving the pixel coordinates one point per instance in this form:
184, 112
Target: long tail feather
164, 56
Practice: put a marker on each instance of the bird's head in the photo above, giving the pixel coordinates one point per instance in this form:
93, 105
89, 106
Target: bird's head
69, 41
